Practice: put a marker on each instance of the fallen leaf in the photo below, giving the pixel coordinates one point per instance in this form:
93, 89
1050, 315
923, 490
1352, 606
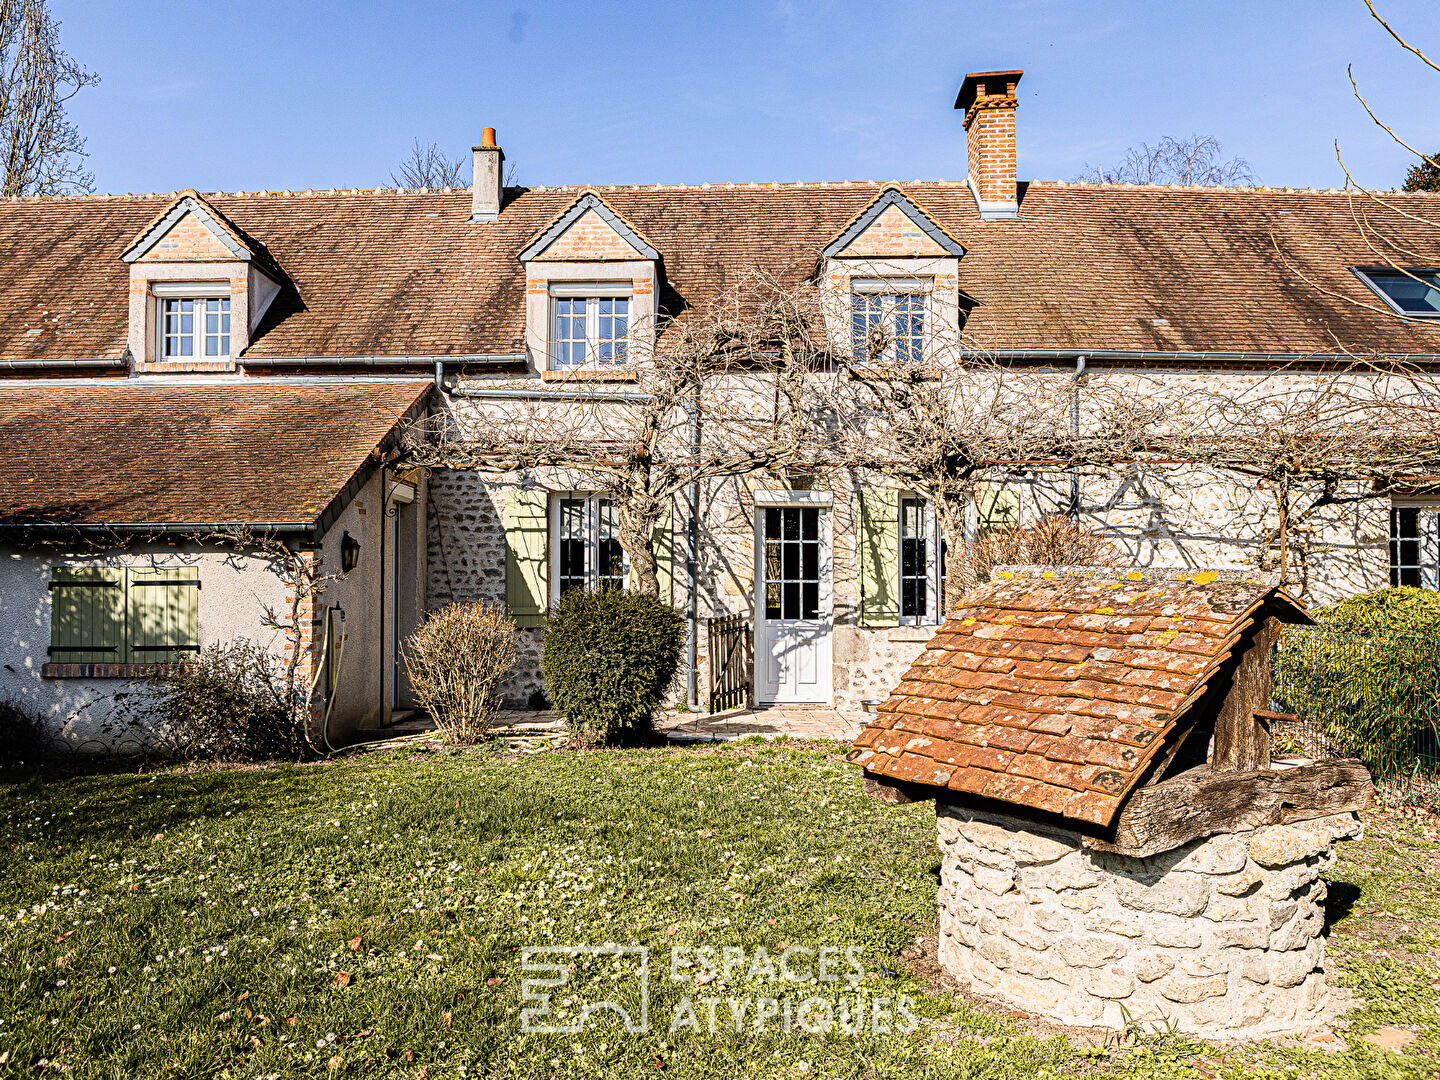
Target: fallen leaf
335, 1062
1390, 1038
494, 982
355, 943
342, 979
671, 931
289, 1021
445, 1019
243, 995
63, 936
433, 956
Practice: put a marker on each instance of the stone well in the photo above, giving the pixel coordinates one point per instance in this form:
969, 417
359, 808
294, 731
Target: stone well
1220, 937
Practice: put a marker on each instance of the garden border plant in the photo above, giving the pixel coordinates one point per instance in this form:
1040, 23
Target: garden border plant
609, 658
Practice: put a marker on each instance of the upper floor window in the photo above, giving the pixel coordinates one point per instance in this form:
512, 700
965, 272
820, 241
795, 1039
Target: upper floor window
1413, 291
588, 552
194, 326
887, 321
588, 326
1415, 546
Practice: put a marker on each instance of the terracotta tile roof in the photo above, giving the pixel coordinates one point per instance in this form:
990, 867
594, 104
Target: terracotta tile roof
1083, 268
199, 454
1053, 688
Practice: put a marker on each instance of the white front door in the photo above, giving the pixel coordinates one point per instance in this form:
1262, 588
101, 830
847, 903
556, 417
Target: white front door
792, 604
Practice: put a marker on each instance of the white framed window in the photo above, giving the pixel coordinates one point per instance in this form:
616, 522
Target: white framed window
887, 319
192, 322
1412, 291
588, 323
588, 555
922, 563
1415, 545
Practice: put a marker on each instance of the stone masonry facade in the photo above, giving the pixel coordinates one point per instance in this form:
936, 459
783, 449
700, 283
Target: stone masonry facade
1220, 937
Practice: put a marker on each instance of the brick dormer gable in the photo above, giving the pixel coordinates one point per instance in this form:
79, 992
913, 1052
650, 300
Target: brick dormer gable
190, 229
893, 226
589, 230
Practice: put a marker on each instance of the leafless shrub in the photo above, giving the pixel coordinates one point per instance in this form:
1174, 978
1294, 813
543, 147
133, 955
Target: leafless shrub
229, 704
1054, 540
455, 659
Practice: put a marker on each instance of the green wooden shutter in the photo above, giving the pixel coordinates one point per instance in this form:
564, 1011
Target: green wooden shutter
164, 614
527, 556
662, 540
996, 510
87, 615
879, 558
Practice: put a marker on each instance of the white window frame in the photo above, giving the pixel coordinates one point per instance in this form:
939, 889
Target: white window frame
1427, 566
199, 292
893, 289
934, 563
592, 503
1364, 274
592, 293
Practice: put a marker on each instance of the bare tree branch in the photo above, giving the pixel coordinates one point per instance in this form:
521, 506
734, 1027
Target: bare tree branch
43, 150
428, 167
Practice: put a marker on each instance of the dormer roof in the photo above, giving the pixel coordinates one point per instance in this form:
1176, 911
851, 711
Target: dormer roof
229, 236
902, 203
588, 203
1054, 688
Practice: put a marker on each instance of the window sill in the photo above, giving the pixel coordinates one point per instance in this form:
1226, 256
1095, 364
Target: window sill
106, 671
589, 375
186, 367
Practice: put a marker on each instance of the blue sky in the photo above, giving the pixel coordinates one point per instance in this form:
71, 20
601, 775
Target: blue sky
312, 93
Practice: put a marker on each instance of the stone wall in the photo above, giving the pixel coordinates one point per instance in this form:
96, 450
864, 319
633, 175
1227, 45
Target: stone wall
1220, 937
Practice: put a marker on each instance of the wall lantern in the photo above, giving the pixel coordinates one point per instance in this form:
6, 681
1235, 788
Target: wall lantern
349, 553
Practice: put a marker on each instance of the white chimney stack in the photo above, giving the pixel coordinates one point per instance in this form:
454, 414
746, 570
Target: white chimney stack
487, 188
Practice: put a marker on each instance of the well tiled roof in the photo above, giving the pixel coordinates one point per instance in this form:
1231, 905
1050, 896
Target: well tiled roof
1053, 688
1083, 267
128, 454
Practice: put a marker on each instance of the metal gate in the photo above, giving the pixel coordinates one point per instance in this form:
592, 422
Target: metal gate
730, 652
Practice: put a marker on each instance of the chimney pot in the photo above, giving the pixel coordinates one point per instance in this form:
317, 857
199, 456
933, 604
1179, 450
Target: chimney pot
988, 99
487, 184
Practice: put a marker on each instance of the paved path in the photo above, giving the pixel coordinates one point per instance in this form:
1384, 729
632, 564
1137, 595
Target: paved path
794, 721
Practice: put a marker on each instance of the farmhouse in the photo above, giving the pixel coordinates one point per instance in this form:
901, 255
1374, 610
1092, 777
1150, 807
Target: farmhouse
206, 395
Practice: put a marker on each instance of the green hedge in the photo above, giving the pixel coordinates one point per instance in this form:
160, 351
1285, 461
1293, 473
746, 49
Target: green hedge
1368, 677
609, 657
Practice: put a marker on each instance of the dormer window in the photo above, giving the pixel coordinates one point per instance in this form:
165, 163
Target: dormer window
887, 320
1413, 291
195, 327
192, 322
589, 323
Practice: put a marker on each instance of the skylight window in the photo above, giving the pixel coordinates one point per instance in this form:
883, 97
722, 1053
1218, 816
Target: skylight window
1413, 291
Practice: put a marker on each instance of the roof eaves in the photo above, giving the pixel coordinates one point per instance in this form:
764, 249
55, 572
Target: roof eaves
892, 196
588, 201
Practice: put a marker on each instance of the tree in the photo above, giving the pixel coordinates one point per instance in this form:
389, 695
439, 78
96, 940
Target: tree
428, 167
1196, 160
44, 151
1424, 175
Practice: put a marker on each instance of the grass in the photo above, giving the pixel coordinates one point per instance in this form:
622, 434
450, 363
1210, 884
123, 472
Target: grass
365, 918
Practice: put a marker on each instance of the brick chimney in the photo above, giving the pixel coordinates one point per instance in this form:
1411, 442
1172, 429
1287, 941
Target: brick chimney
988, 98
487, 187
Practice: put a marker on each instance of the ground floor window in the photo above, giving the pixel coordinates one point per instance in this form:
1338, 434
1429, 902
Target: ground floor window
588, 554
1415, 546
922, 563
123, 615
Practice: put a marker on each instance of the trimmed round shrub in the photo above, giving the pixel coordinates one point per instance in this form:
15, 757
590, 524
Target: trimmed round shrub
609, 657
1369, 677
455, 660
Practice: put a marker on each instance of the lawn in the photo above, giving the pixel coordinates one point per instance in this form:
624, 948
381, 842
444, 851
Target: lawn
365, 917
